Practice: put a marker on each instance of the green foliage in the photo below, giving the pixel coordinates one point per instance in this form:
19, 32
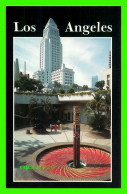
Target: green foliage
75, 86
27, 84
75, 94
100, 109
54, 91
40, 87
70, 90
98, 122
61, 91
46, 104
100, 84
57, 84
39, 113
85, 87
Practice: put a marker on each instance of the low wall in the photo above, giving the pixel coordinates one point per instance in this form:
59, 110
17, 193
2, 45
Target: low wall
75, 98
25, 98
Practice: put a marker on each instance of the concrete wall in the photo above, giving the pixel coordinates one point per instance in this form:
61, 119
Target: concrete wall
75, 98
25, 98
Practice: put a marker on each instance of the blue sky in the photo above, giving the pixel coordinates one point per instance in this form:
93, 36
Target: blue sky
86, 56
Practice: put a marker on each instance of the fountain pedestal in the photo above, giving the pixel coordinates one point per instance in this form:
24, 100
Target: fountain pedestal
76, 136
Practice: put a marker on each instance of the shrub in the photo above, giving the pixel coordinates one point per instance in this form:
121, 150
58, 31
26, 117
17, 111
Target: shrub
100, 108
61, 91
98, 122
54, 91
70, 90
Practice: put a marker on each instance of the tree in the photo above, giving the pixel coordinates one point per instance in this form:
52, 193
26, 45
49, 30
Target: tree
100, 109
85, 87
54, 91
57, 84
61, 91
100, 84
46, 104
28, 84
39, 113
70, 90
107, 102
40, 86
75, 86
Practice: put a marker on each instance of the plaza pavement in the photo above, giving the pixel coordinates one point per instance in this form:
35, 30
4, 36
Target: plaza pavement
26, 144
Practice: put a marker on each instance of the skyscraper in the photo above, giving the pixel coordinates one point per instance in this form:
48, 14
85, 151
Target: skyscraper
109, 59
94, 80
16, 69
107, 74
24, 69
51, 63
50, 50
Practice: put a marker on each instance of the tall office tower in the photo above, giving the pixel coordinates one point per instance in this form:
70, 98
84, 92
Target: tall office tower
16, 70
109, 59
50, 50
94, 80
24, 70
107, 74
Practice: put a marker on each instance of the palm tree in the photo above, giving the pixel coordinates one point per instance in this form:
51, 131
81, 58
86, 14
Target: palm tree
46, 104
107, 103
100, 108
39, 113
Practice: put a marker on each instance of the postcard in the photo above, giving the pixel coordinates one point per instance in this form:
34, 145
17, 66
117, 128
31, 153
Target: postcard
63, 96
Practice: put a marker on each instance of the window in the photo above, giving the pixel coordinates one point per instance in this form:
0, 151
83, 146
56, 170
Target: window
108, 76
108, 80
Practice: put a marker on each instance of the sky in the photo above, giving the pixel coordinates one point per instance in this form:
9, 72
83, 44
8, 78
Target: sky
86, 56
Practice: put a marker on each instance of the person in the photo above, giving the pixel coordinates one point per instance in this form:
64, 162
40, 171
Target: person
51, 127
58, 122
55, 127
61, 127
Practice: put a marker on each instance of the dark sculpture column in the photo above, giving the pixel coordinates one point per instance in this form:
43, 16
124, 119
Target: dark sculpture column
76, 136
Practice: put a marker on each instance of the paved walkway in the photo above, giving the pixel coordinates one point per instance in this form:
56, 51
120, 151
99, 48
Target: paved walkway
26, 144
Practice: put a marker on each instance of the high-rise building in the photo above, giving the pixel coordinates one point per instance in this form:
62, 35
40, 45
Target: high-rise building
107, 75
94, 80
64, 76
50, 50
51, 62
16, 69
39, 75
109, 59
24, 70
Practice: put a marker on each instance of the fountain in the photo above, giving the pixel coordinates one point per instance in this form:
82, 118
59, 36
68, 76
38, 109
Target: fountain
72, 162
76, 163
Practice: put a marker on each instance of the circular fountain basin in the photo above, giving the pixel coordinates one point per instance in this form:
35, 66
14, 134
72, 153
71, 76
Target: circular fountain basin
56, 163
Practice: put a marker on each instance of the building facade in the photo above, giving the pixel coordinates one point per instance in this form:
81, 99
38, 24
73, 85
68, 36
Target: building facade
39, 75
64, 76
51, 60
61, 105
94, 80
107, 75
51, 48
16, 69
